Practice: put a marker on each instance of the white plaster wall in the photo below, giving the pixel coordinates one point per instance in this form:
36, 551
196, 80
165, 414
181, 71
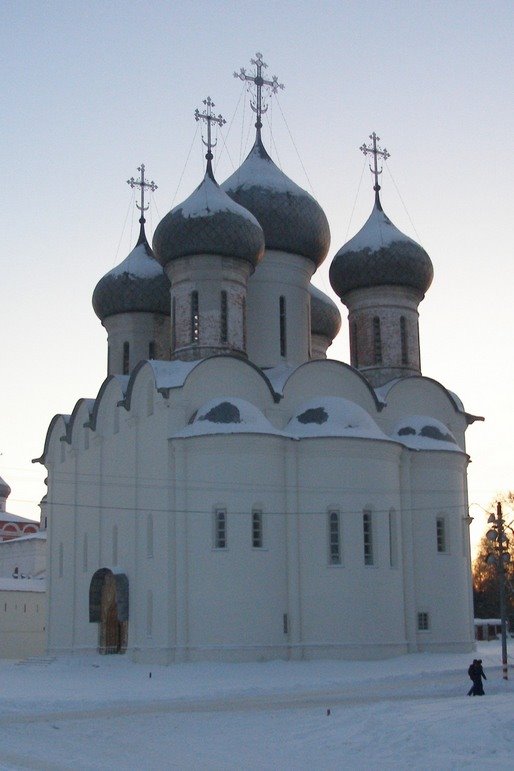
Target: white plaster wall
351, 610
279, 274
22, 623
139, 330
28, 554
442, 580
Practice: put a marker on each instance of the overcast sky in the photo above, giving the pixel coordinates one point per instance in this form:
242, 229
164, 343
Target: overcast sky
91, 90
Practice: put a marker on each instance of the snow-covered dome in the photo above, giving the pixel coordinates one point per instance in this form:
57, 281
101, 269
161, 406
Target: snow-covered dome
209, 222
5, 490
325, 316
378, 255
422, 432
333, 416
228, 415
292, 220
136, 284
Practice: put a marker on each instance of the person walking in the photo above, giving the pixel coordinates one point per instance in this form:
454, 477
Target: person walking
479, 674
476, 673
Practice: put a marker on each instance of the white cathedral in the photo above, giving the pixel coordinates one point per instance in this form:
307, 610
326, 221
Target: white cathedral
231, 493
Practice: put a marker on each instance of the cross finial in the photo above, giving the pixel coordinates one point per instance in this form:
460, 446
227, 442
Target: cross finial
375, 152
209, 118
142, 184
257, 79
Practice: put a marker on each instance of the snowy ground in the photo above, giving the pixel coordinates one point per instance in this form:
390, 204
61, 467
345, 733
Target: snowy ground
104, 712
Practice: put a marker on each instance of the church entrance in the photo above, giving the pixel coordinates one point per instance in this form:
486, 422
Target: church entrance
108, 606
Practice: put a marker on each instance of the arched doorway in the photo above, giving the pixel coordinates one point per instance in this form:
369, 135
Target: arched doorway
108, 607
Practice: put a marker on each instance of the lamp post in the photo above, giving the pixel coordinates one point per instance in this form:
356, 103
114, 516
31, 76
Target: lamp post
500, 557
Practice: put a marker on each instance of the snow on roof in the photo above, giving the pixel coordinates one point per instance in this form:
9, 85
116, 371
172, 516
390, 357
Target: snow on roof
209, 199
258, 170
39, 536
278, 376
228, 415
6, 517
334, 416
138, 264
377, 232
172, 374
422, 432
23, 584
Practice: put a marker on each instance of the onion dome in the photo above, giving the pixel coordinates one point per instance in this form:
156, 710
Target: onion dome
138, 284
292, 220
5, 490
325, 316
380, 255
209, 222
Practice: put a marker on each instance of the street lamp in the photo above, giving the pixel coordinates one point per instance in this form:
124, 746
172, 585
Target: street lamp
500, 557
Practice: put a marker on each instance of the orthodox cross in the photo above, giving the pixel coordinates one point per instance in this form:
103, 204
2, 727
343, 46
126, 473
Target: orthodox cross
142, 184
259, 82
209, 118
375, 151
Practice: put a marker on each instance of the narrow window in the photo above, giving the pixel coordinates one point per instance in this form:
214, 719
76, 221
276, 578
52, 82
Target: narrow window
224, 318
393, 539
126, 358
403, 339
115, 545
195, 318
220, 529
282, 307
285, 623
84, 553
441, 534
354, 349
173, 324
61, 560
244, 323
367, 528
423, 622
149, 536
334, 538
257, 539
377, 341
149, 613
151, 349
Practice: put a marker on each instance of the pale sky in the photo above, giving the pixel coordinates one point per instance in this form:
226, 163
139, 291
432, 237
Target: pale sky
91, 90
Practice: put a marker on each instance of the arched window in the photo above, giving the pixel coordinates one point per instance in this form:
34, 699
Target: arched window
354, 348
84, 553
149, 536
126, 358
367, 531
377, 341
173, 324
151, 349
224, 317
441, 539
149, 613
393, 539
257, 533
334, 538
282, 314
244, 322
115, 545
220, 529
195, 318
403, 340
